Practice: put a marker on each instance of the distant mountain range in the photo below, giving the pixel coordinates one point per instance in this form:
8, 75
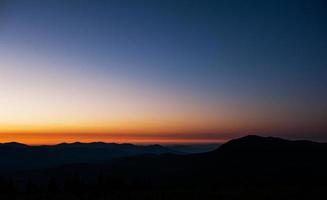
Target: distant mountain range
17, 156
251, 167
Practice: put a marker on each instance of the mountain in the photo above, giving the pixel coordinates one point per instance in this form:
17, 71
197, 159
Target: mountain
251, 167
16, 156
249, 156
273, 158
255, 144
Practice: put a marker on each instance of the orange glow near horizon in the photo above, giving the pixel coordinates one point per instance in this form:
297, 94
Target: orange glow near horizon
44, 102
34, 107
48, 135
49, 139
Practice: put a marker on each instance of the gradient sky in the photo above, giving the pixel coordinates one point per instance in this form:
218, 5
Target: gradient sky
162, 71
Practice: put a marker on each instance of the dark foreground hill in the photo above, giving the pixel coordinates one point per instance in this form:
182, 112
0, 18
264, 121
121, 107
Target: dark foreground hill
251, 167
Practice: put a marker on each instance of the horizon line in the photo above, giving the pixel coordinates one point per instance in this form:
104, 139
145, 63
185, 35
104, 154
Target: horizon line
132, 143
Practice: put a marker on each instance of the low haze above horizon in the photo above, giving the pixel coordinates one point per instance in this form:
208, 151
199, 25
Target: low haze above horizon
166, 72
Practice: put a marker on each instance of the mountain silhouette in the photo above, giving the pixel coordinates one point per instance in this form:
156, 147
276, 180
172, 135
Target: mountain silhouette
16, 156
251, 167
255, 144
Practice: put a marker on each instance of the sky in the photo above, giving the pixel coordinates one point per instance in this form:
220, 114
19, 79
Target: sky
162, 71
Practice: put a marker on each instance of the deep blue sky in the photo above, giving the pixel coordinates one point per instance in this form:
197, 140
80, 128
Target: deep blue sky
260, 65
